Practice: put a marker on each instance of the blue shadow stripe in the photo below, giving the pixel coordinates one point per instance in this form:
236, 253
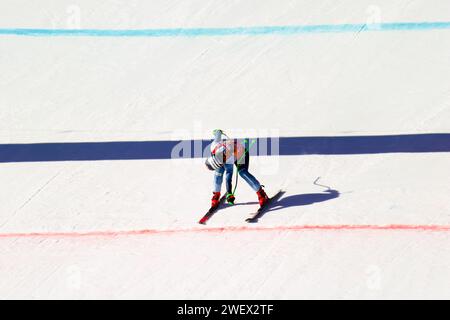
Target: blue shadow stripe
414, 143
288, 146
249, 31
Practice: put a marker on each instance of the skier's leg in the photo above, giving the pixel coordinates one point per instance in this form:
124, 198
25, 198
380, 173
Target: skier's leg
256, 186
251, 180
247, 176
229, 177
218, 179
228, 180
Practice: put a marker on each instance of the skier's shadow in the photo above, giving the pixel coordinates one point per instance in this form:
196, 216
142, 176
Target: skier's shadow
304, 199
298, 200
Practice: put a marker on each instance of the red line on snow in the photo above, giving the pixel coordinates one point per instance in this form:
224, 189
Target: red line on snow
343, 227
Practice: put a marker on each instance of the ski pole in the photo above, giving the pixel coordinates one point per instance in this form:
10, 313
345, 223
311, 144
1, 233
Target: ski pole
245, 152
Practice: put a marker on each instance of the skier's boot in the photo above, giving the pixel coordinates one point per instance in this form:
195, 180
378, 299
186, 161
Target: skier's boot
215, 200
262, 197
230, 198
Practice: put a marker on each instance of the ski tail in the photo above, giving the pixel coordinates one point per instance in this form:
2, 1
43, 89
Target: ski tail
212, 210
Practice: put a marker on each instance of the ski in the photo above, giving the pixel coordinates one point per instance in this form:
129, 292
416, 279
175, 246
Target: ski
262, 210
211, 211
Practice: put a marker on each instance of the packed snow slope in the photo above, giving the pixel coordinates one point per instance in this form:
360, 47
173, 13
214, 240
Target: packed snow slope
375, 225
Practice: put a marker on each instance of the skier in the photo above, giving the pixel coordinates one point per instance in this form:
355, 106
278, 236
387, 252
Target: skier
225, 152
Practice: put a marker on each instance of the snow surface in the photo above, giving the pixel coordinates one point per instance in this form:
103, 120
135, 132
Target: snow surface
88, 89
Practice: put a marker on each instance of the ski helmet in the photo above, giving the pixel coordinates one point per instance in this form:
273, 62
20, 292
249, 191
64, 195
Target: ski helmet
212, 163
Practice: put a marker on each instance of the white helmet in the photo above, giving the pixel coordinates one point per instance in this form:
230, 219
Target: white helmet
212, 163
